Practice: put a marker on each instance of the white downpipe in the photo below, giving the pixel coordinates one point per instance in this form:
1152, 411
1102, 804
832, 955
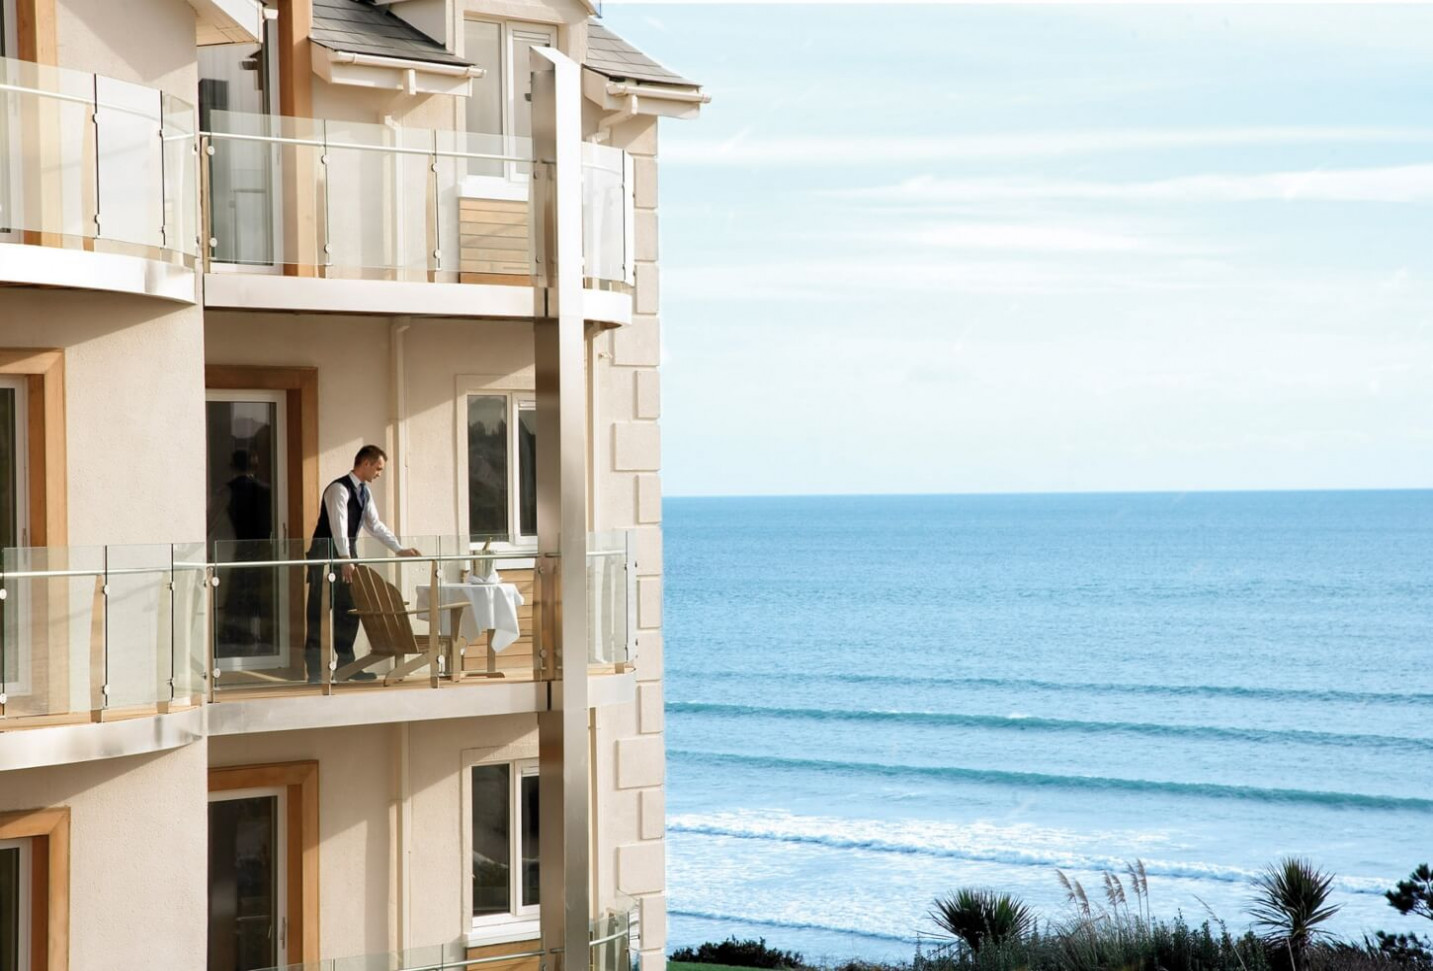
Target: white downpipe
403, 864
398, 354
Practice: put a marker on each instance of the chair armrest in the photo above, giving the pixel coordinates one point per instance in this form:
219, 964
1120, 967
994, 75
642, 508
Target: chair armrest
399, 613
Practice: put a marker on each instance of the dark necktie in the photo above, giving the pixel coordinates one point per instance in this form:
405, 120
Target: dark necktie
362, 496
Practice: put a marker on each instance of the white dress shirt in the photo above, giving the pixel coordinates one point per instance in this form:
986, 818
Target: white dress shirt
335, 500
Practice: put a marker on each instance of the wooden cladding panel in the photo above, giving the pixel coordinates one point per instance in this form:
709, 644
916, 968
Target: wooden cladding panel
496, 238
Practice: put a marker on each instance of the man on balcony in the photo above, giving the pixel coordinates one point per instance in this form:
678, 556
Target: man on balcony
347, 505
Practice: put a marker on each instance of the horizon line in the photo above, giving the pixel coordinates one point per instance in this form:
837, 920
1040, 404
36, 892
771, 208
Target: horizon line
1040, 492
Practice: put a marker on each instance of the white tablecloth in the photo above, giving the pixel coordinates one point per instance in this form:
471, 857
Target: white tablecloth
491, 606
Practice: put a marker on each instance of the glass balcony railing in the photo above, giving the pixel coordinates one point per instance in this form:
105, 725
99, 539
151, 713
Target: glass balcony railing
102, 629
351, 200
88, 162
612, 940
91, 630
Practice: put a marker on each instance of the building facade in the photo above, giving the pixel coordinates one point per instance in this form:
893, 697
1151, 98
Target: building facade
239, 240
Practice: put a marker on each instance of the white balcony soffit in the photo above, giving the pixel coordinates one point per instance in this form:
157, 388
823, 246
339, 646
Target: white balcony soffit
392, 73
263, 291
67, 744
228, 21
633, 98
71, 269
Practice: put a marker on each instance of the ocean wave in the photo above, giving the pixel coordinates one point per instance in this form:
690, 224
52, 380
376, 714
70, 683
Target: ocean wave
1174, 690
827, 833
791, 924
1349, 800
1023, 722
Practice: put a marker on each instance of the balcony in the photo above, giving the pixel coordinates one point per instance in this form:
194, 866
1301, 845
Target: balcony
98, 183
117, 633
102, 187
613, 941
291, 201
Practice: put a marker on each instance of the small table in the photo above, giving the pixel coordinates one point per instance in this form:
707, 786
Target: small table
491, 607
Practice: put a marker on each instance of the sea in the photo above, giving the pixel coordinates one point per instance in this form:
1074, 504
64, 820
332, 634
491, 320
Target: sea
874, 701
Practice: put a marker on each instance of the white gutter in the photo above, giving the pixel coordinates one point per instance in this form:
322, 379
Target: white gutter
403, 64
626, 89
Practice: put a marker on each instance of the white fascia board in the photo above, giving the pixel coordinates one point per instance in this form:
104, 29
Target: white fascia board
635, 98
407, 76
228, 22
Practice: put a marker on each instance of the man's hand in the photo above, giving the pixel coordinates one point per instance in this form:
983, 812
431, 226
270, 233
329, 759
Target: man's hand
347, 571
410, 551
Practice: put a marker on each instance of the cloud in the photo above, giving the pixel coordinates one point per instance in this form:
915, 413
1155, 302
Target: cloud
1402, 184
1008, 236
744, 148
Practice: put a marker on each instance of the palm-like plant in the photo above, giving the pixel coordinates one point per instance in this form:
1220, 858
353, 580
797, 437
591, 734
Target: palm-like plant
979, 917
1291, 900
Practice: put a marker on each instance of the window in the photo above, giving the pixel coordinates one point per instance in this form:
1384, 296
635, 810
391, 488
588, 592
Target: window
502, 467
500, 102
504, 842
15, 884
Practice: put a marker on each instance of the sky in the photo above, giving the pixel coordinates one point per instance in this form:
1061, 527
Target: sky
938, 248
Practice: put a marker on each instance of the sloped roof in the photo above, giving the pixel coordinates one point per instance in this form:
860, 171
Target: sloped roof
612, 56
359, 27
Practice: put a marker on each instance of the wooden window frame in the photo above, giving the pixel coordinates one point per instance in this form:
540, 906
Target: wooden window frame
47, 491
48, 831
299, 780
300, 385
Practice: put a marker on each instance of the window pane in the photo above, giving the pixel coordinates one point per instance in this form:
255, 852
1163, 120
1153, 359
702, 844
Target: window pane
529, 841
483, 46
491, 846
487, 466
9, 464
527, 471
523, 41
10, 910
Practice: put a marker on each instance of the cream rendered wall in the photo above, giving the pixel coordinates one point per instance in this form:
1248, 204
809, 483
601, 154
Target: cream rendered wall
627, 460
134, 376
138, 841
360, 804
442, 356
351, 354
102, 37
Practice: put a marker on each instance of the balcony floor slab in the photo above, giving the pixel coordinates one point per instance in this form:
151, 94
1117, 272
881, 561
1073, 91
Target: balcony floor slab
72, 269
67, 744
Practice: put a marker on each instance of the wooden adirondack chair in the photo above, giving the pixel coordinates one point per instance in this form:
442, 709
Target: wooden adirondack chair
386, 620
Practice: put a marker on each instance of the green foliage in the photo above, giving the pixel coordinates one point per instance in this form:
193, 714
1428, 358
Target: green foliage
979, 917
741, 954
1291, 901
1414, 897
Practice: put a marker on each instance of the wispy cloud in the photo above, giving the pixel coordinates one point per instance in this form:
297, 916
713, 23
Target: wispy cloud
1014, 237
745, 148
1405, 184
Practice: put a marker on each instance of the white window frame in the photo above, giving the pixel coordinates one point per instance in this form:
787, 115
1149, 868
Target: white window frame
519, 399
27, 881
513, 185
281, 853
520, 922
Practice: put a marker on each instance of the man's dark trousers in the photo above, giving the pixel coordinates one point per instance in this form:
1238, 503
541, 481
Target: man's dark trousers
345, 622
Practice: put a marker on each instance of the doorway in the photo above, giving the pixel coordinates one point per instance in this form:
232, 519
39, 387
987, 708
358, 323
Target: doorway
246, 464
15, 887
14, 464
248, 882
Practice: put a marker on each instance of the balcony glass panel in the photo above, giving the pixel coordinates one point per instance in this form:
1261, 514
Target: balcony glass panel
264, 210
262, 634
53, 631
138, 613
606, 203
609, 592
47, 184
82, 159
131, 181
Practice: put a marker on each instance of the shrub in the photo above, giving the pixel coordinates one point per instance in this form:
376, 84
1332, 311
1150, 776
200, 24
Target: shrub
741, 954
978, 917
1290, 902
